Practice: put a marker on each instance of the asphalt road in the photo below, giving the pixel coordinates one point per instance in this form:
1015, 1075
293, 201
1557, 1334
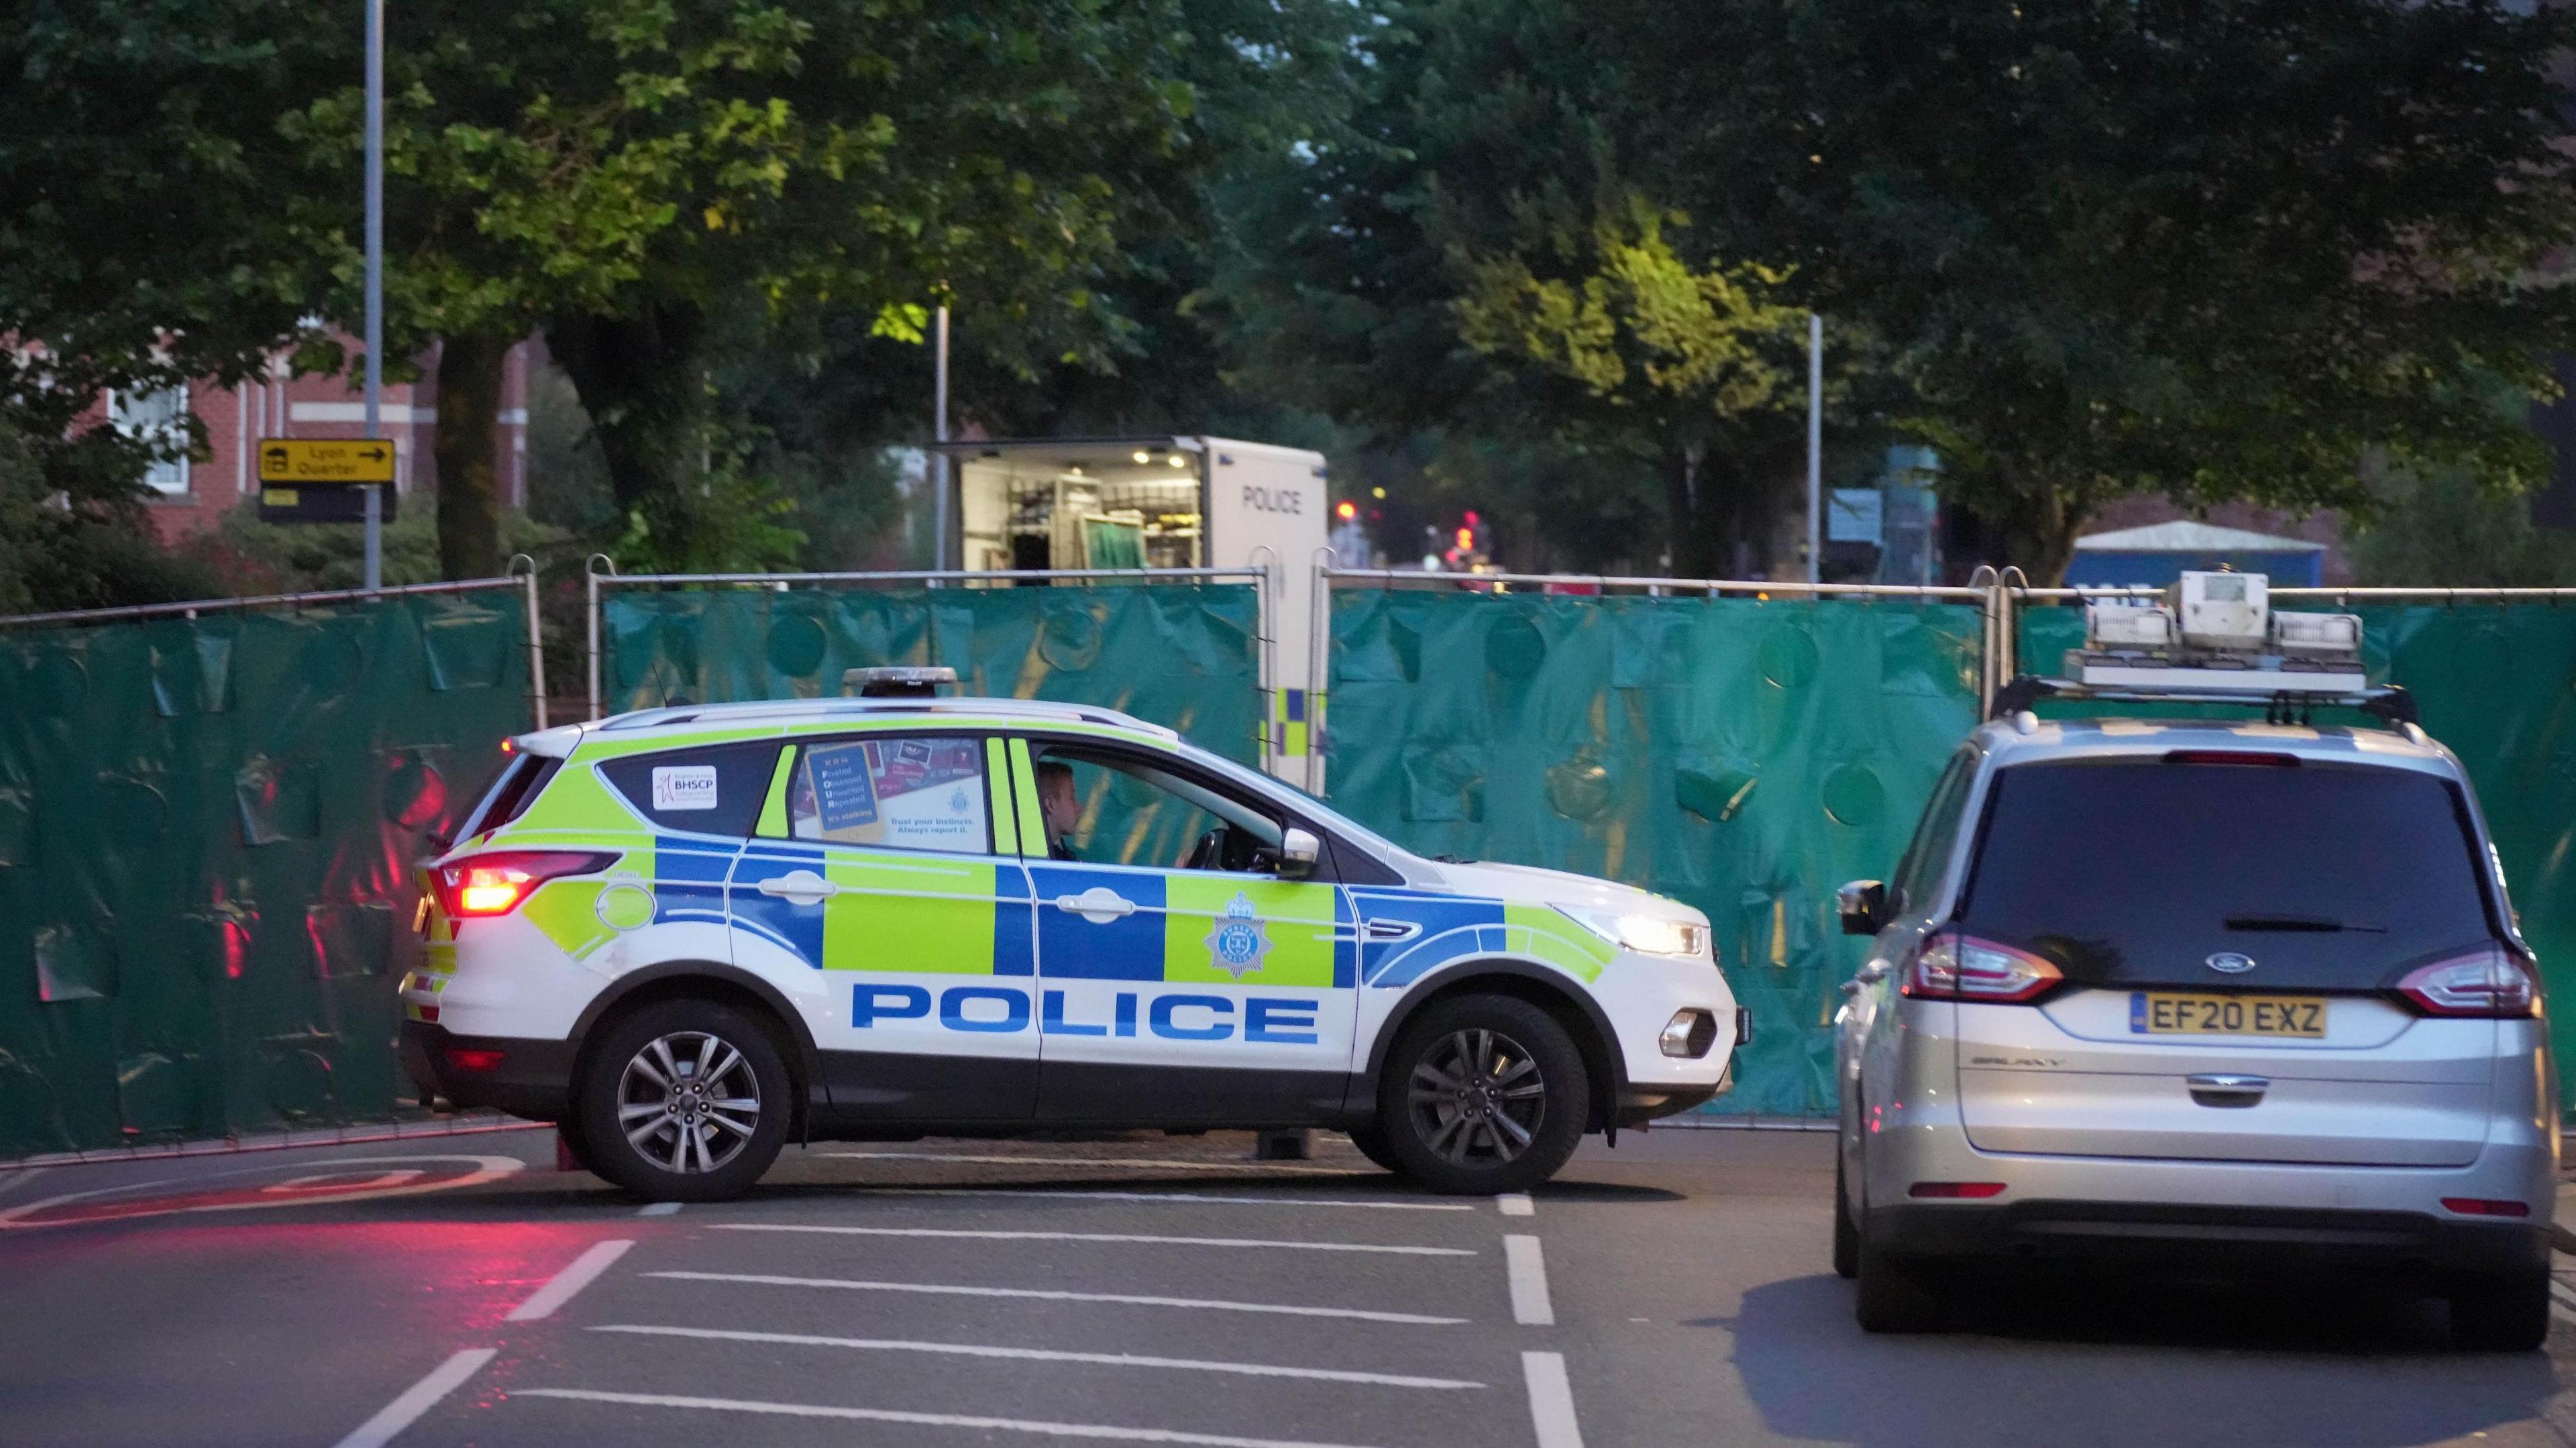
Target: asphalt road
1675, 1291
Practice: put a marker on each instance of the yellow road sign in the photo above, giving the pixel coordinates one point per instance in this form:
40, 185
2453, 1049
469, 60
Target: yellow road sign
326, 460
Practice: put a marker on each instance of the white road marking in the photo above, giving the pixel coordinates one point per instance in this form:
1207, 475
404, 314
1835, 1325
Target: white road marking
584, 1270
1530, 1305
1050, 1295
11, 1181
422, 1396
1551, 1400
934, 1420
1125, 1161
1109, 1359
660, 1209
983, 1236
1516, 1204
1184, 1197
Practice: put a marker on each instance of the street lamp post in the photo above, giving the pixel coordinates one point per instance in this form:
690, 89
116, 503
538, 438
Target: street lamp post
939, 455
375, 566
1815, 447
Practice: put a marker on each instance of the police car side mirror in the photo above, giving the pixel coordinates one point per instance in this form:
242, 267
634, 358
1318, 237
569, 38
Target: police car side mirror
1862, 904
1297, 851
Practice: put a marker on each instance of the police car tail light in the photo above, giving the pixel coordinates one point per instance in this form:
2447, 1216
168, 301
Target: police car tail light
2492, 983
1964, 968
495, 884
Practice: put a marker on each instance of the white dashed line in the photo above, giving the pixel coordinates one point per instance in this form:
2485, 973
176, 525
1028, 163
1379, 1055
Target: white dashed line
1516, 1204
1187, 1198
584, 1270
1045, 1355
933, 1420
1530, 1306
422, 1396
1119, 1161
661, 1209
1131, 1237
1551, 1400
1414, 1319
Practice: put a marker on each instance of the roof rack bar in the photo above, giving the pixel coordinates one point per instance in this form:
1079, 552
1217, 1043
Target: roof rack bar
2389, 703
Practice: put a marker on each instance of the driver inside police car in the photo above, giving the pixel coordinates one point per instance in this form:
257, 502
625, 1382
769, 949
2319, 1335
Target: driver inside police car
1060, 807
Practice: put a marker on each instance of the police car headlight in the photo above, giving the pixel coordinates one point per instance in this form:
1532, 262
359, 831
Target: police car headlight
1644, 934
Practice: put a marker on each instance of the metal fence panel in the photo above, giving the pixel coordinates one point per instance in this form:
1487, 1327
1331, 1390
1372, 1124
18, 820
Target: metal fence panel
1182, 655
2496, 682
1744, 755
207, 830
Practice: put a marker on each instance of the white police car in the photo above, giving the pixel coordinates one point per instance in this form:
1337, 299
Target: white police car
692, 934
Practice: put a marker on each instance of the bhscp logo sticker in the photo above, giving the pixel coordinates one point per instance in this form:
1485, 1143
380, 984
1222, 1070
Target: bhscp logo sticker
684, 786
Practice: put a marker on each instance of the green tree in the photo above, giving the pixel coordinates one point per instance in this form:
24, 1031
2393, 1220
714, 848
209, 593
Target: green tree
158, 230
2213, 250
1487, 258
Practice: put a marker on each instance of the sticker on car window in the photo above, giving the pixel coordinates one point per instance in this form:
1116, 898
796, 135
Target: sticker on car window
922, 793
684, 786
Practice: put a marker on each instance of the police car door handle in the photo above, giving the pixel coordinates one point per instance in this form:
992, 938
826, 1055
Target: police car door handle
799, 887
1099, 905
1391, 929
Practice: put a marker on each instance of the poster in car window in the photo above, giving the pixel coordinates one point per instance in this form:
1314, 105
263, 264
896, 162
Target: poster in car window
925, 794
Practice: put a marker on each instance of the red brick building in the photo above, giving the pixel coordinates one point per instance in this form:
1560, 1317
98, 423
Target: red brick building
188, 495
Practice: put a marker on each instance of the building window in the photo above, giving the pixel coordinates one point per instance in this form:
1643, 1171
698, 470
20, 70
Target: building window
158, 416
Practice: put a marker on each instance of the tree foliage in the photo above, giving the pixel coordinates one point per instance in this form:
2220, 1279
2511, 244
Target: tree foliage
2213, 250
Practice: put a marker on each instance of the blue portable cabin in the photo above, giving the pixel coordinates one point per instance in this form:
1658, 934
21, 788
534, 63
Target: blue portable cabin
2160, 552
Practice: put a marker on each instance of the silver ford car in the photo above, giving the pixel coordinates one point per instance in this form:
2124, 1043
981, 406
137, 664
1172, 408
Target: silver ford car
2193, 992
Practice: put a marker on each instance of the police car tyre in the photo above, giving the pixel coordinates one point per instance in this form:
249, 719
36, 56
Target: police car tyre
1483, 1093
684, 1101
1895, 1294
1372, 1144
2504, 1313
577, 1143
1846, 1236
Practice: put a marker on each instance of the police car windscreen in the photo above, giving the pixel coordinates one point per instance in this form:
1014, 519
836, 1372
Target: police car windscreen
2136, 872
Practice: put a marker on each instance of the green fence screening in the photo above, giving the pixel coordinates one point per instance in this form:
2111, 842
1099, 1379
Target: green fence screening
1178, 655
2496, 683
1744, 756
207, 828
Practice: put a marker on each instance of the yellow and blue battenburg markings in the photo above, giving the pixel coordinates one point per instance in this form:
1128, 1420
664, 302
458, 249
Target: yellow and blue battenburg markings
1454, 927
887, 910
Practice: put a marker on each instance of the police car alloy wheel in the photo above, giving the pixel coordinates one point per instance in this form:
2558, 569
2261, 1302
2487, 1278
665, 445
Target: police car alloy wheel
684, 1101
1483, 1094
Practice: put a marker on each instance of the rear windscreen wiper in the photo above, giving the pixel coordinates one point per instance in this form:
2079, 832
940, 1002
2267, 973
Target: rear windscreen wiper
2317, 923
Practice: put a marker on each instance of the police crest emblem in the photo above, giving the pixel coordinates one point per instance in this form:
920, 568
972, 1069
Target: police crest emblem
1240, 940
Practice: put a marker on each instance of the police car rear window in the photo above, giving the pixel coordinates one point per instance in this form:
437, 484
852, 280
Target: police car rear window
521, 781
717, 790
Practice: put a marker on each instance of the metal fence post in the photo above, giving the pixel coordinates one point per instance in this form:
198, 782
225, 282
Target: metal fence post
536, 638
1319, 667
591, 618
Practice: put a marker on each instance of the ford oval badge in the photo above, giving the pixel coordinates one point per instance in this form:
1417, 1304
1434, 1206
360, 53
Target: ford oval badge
2228, 962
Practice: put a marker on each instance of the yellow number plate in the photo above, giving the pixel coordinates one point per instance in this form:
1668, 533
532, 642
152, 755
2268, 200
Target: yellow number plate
2171, 1013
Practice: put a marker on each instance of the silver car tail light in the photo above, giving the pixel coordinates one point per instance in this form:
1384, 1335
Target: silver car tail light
1955, 967
2491, 983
